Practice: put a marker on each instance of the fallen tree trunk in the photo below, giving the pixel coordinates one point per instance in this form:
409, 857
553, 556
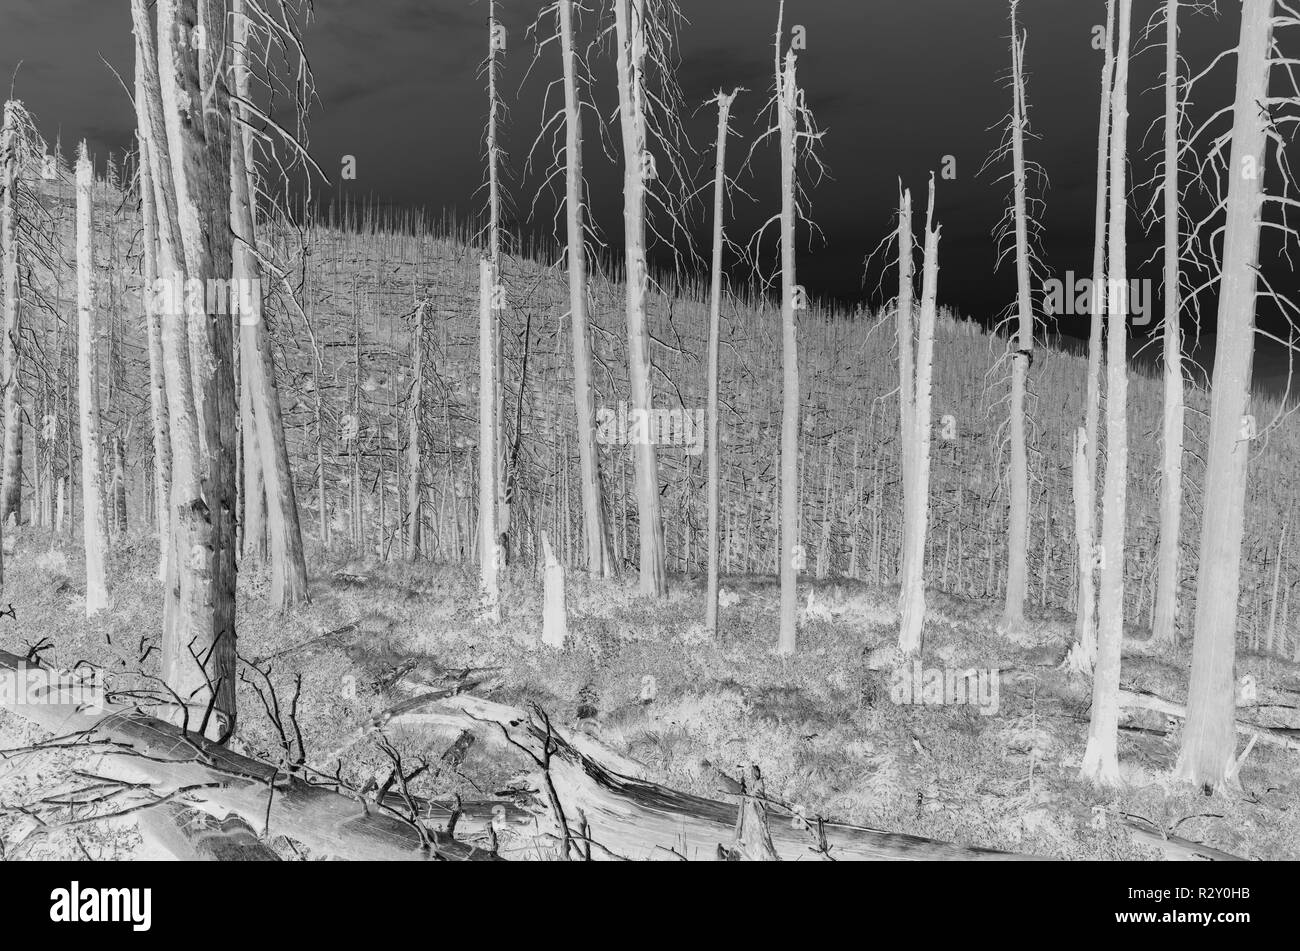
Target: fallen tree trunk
141, 747
1134, 700
1175, 847
191, 835
627, 816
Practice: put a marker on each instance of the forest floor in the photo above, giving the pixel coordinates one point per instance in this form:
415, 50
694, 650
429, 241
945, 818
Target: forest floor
827, 730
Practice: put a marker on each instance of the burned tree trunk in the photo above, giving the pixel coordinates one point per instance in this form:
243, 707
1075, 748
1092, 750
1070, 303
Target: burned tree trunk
599, 559
638, 166
715, 322
288, 563
92, 486
199, 615
1209, 741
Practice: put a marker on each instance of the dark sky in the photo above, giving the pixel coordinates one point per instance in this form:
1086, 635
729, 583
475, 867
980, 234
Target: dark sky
895, 84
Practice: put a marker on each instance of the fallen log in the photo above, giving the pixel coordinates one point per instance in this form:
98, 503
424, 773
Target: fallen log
630, 817
143, 748
1175, 847
1135, 700
191, 835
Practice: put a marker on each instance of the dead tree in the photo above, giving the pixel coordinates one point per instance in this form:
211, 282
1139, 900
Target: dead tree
489, 543
644, 36
92, 487
724, 101
1100, 761
1085, 609
1207, 757
199, 613
796, 132
162, 450
916, 442
1022, 356
10, 354
1165, 616
568, 161
273, 469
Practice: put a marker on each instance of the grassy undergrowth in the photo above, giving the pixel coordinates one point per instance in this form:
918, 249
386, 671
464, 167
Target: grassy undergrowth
822, 725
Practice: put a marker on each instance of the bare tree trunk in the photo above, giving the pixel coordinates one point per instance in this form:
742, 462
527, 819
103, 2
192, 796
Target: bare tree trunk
288, 563
162, 450
500, 410
489, 546
1165, 620
1084, 654
599, 560
88, 394
11, 495
917, 445
1087, 594
252, 489
715, 326
1018, 478
1209, 741
1100, 760
906, 333
199, 619
119, 484
415, 467
631, 47
791, 560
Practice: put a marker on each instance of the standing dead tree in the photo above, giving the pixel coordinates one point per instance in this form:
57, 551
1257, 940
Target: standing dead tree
1167, 201
645, 34
1100, 761
13, 151
1240, 158
191, 165
414, 455
797, 134
489, 543
502, 479
568, 160
162, 450
916, 439
272, 469
1086, 482
1165, 618
1016, 235
725, 101
92, 487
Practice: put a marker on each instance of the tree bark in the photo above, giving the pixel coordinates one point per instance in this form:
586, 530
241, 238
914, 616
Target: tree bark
631, 49
1087, 594
916, 486
288, 562
489, 545
199, 617
599, 559
1165, 618
414, 463
1018, 476
1208, 740
1100, 760
92, 486
162, 451
715, 329
11, 494
791, 550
